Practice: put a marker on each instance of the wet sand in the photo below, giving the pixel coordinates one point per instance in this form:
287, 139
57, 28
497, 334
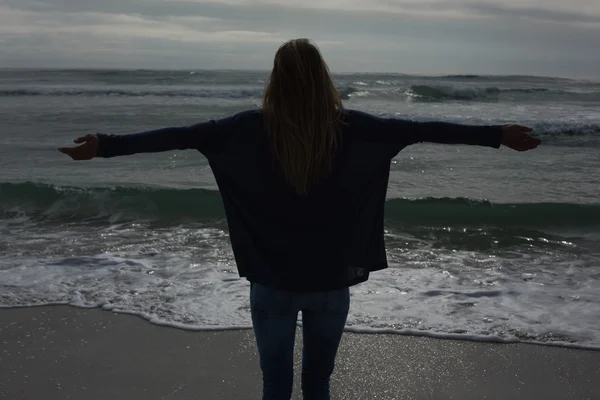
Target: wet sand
62, 352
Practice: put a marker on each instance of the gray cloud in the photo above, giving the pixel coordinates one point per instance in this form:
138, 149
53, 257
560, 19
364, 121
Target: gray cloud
258, 10
264, 11
533, 13
399, 36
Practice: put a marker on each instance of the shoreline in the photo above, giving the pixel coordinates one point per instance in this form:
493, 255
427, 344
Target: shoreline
60, 352
352, 330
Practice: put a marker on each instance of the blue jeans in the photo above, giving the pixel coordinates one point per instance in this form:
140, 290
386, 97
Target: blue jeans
274, 315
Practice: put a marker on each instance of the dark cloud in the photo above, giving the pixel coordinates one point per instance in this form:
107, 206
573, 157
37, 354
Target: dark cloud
270, 17
532, 13
427, 37
258, 10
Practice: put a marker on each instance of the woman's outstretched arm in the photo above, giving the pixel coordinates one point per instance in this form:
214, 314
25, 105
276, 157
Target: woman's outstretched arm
176, 138
514, 136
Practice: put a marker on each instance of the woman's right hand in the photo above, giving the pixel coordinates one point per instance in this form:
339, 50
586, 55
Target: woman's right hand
516, 137
86, 151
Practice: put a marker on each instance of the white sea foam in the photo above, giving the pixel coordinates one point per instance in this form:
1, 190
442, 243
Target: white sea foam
185, 277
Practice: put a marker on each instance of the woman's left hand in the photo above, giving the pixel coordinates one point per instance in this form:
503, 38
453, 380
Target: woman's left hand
516, 137
86, 151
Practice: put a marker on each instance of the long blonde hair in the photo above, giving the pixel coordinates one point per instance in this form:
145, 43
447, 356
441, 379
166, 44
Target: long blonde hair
303, 113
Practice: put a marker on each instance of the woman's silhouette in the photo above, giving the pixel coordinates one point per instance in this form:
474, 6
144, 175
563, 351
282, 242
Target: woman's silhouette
303, 182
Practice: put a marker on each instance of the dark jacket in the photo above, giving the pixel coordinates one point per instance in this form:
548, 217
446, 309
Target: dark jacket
328, 239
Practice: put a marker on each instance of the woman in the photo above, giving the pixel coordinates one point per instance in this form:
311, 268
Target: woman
303, 183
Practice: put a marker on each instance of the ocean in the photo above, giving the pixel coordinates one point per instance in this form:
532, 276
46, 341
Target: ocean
483, 244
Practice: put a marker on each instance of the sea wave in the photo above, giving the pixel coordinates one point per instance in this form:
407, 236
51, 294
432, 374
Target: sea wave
50, 202
451, 93
465, 76
200, 92
442, 93
565, 130
345, 92
391, 91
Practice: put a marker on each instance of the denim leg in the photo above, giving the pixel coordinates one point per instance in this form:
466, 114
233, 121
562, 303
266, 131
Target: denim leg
274, 322
322, 331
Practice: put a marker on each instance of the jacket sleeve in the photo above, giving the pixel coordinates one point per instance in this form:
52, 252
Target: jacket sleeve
198, 136
411, 132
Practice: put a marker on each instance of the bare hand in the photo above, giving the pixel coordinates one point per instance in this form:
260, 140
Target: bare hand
516, 137
86, 151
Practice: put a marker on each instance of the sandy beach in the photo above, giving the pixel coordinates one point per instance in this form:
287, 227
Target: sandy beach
62, 352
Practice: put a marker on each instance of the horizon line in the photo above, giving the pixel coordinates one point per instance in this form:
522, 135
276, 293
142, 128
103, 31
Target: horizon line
441, 74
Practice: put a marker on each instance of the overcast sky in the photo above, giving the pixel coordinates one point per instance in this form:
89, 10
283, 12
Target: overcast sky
543, 37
